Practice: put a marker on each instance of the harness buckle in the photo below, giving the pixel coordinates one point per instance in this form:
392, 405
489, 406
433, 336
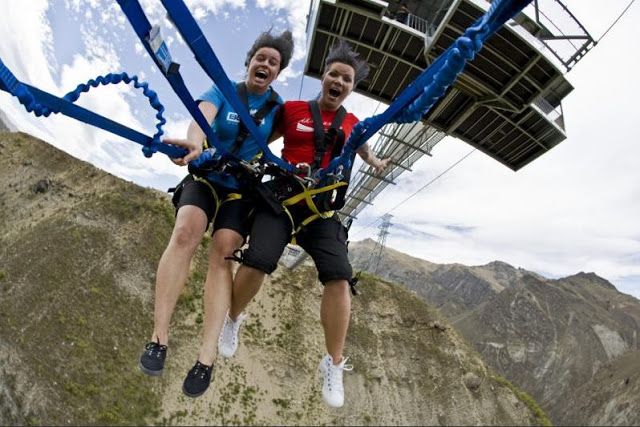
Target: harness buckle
304, 168
307, 178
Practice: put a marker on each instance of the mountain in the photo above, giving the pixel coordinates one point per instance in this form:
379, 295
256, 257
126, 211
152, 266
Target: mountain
78, 253
559, 340
6, 125
452, 288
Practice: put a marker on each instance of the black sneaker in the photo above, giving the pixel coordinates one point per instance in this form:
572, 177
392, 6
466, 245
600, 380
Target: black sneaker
152, 360
197, 380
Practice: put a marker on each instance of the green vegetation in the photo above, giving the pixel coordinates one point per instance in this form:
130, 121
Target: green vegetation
541, 417
74, 310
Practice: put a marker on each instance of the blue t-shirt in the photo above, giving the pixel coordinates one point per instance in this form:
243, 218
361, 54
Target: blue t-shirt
226, 123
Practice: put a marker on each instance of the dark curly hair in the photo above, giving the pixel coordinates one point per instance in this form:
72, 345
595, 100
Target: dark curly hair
282, 43
343, 53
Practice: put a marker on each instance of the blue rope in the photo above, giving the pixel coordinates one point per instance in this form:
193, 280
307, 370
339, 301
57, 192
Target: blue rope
160, 55
419, 97
42, 103
154, 101
195, 39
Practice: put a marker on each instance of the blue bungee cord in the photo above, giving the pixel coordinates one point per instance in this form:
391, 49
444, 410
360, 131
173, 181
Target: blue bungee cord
41, 103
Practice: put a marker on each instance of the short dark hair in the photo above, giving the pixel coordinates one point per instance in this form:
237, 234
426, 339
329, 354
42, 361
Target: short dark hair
342, 52
282, 43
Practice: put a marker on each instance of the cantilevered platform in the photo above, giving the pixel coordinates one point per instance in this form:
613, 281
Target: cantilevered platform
507, 102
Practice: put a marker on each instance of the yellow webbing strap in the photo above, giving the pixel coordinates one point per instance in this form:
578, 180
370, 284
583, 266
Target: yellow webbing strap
307, 195
230, 196
213, 190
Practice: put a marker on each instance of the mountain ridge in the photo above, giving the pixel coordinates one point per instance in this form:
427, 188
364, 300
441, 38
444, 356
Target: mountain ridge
548, 336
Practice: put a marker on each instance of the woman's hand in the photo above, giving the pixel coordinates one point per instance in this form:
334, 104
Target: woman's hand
195, 135
194, 149
379, 165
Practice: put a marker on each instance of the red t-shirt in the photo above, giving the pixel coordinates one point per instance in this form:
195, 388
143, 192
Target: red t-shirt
295, 123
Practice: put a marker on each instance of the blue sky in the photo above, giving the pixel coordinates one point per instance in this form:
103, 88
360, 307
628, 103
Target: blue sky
574, 209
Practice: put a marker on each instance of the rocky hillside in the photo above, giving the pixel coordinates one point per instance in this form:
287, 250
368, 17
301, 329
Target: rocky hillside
551, 337
559, 340
78, 252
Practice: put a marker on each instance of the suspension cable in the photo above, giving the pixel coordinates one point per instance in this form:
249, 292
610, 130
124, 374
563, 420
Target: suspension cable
419, 190
616, 21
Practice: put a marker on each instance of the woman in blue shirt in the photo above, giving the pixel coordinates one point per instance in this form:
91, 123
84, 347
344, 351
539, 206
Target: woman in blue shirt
213, 197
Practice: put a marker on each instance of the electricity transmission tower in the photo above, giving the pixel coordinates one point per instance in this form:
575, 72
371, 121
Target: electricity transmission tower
383, 232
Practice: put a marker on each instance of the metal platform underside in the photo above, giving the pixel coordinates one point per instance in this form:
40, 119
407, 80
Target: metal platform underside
507, 102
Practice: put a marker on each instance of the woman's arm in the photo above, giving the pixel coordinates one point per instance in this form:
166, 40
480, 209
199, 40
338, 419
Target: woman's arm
365, 152
195, 135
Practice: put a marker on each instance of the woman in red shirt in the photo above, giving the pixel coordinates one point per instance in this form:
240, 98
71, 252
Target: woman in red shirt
324, 239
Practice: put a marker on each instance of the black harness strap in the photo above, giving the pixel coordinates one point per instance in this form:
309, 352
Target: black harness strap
333, 136
266, 108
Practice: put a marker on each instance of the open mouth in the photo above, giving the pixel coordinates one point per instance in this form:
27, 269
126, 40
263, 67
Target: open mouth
261, 74
334, 92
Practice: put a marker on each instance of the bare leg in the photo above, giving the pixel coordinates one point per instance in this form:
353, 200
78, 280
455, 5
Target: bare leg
335, 311
173, 269
217, 291
247, 283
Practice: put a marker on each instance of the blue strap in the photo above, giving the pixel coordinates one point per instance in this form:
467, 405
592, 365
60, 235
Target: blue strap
161, 56
417, 99
143, 29
42, 103
204, 54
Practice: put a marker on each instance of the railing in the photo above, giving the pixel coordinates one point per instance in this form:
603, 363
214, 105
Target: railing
552, 23
417, 23
554, 114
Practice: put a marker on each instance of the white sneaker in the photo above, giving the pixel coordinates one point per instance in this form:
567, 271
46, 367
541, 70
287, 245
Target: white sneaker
333, 389
228, 340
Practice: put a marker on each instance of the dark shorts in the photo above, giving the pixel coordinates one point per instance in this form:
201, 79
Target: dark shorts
325, 240
221, 208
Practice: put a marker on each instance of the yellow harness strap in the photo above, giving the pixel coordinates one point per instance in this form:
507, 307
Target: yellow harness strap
307, 195
230, 196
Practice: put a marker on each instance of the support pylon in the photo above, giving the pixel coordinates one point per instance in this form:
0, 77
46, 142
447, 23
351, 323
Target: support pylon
383, 232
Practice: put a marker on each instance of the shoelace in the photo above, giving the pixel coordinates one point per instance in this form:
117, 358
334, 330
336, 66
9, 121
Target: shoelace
334, 373
200, 369
155, 347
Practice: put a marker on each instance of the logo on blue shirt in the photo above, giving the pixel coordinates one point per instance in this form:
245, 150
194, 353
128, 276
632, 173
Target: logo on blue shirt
234, 118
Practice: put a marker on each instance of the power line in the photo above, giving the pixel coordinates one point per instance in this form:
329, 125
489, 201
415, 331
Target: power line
433, 180
418, 191
616, 21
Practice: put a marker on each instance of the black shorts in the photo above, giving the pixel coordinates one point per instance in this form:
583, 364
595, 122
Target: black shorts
222, 207
325, 240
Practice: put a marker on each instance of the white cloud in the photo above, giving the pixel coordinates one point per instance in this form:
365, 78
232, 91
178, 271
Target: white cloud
27, 57
203, 8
